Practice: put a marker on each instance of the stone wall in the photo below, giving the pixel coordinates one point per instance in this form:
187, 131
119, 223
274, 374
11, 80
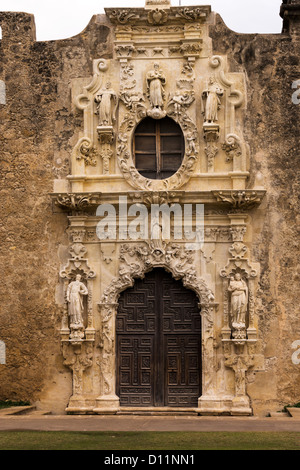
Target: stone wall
39, 127
271, 64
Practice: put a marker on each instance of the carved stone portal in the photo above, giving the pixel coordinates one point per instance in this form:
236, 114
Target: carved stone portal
161, 64
135, 261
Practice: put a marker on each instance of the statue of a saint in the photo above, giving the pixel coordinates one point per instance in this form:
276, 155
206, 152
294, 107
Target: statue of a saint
211, 96
155, 87
239, 299
107, 103
75, 291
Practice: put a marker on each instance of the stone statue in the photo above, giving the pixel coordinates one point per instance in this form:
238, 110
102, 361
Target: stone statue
239, 299
211, 96
107, 104
155, 87
75, 291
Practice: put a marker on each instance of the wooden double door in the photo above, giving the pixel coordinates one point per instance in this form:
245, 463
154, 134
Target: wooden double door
158, 343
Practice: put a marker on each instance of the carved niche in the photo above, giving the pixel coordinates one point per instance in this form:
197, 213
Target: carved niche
77, 276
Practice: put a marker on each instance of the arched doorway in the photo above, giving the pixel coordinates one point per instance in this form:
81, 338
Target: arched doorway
158, 343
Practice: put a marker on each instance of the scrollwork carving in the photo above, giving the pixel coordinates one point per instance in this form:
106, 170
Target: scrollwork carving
85, 150
232, 147
192, 14
137, 259
240, 199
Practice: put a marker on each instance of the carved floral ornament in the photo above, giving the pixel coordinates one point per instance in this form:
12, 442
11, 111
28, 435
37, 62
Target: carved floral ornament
138, 259
176, 106
137, 109
158, 13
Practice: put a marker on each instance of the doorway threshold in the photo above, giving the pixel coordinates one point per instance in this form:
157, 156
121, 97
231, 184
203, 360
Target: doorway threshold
157, 411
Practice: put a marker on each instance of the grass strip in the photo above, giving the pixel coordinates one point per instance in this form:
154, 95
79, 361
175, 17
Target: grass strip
56, 440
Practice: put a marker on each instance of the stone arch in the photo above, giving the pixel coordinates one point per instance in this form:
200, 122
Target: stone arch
135, 261
138, 259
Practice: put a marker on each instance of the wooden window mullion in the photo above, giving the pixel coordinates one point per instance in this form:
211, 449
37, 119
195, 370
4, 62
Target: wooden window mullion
158, 155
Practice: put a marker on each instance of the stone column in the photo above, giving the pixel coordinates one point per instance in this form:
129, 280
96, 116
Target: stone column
107, 402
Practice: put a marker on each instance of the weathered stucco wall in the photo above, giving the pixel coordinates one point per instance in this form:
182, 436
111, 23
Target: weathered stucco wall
271, 64
39, 127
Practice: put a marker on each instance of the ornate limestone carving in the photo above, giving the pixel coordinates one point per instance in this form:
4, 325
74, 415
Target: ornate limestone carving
193, 14
73, 201
75, 292
125, 50
238, 301
157, 16
122, 16
240, 364
188, 76
211, 151
133, 117
180, 102
134, 101
240, 199
85, 150
232, 147
137, 259
237, 233
76, 202
211, 98
76, 270
107, 101
238, 288
78, 358
106, 154
155, 91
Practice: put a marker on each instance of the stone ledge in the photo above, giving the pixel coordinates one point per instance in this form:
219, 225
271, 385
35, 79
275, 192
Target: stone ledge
17, 410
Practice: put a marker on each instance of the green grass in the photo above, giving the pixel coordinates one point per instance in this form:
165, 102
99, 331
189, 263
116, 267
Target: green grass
41, 440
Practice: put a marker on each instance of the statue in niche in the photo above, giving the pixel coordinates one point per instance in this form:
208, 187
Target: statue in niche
156, 94
239, 299
75, 292
211, 101
106, 100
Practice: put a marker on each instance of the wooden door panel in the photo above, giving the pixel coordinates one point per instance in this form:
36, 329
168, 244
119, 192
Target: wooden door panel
135, 378
158, 343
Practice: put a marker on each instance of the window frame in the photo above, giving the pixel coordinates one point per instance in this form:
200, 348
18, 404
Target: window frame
158, 136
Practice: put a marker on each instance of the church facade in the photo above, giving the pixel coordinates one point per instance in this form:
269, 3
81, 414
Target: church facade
159, 217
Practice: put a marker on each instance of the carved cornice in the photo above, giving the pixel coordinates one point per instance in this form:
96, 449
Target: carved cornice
230, 200
76, 201
240, 200
157, 16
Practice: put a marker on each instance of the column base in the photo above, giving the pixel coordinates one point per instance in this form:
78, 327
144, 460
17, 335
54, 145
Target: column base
230, 406
109, 404
80, 404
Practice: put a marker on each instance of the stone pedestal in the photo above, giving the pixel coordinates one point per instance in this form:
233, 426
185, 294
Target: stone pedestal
108, 404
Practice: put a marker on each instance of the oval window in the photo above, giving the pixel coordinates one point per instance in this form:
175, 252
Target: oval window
158, 148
